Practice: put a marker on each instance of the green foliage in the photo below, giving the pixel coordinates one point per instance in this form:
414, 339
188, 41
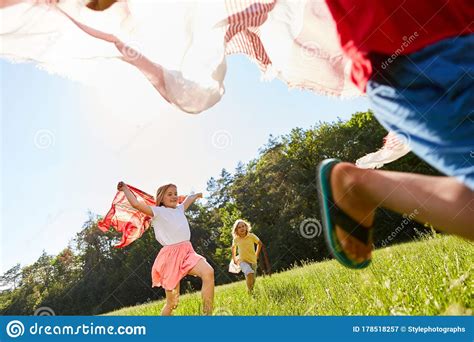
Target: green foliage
276, 193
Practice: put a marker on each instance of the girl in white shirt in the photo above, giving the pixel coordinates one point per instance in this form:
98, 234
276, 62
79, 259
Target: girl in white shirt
177, 258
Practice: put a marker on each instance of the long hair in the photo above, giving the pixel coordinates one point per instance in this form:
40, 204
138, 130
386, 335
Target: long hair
160, 193
236, 223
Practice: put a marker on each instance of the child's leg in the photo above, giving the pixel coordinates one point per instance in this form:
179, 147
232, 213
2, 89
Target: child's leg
172, 300
206, 273
442, 201
250, 279
432, 109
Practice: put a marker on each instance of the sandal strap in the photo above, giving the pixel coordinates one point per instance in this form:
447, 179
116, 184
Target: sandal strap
348, 224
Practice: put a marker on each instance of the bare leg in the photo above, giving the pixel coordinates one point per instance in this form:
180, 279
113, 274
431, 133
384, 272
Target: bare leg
172, 300
442, 201
250, 279
206, 273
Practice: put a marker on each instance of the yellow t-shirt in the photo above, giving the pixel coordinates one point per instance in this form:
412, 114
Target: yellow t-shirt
246, 247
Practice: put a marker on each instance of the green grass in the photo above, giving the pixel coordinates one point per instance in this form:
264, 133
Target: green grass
429, 277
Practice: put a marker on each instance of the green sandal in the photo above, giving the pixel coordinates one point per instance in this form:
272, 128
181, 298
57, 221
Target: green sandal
332, 215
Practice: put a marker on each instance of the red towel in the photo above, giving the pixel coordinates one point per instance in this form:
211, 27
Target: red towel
126, 219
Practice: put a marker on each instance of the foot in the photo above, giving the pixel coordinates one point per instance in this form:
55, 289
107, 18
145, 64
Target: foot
346, 181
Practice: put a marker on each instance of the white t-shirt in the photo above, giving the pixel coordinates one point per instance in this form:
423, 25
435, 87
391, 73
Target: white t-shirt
170, 225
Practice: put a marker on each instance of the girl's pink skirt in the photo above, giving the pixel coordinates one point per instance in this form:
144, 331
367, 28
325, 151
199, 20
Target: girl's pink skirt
172, 263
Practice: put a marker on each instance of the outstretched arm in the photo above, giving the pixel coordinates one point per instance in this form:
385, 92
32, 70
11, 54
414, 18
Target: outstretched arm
190, 200
144, 208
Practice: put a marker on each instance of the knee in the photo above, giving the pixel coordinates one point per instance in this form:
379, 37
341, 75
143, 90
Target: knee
348, 175
208, 274
461, 194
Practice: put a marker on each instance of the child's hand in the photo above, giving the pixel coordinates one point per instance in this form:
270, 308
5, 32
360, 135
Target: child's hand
236, 261
198, 195
121, 186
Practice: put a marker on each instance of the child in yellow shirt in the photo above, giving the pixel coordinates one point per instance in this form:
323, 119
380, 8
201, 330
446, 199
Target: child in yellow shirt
245, 241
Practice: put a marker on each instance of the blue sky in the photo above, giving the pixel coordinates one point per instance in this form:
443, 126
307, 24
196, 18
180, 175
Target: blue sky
64, 146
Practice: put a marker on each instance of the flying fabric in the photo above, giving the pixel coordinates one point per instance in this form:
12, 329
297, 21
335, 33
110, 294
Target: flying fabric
181, 47
125, 219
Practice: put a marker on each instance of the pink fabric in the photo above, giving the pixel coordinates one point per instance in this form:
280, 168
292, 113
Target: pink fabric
172, 264
126, 219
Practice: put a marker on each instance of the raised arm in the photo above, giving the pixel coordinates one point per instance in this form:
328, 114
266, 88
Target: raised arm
144, 208
190, 200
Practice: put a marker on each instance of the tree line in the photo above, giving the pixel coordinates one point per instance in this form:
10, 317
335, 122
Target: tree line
276, 192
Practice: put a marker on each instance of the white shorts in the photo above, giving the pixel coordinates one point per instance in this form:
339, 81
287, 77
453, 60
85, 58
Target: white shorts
248, 268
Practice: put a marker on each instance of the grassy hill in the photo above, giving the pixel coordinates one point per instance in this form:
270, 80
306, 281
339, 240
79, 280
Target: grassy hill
433, 276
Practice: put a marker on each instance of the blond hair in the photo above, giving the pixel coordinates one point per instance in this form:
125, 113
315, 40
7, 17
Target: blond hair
160, 193
236, 223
